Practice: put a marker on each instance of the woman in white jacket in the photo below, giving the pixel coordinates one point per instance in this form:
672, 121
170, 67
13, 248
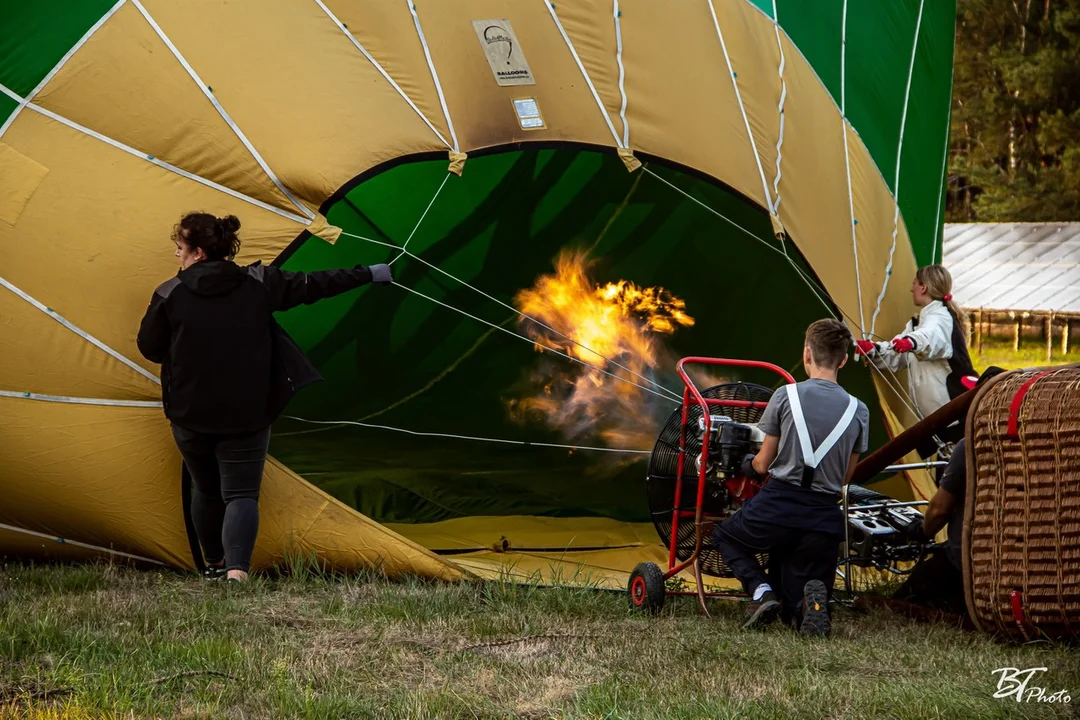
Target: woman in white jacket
932, 346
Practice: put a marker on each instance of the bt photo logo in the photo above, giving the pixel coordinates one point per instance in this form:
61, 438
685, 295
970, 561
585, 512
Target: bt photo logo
1014, 682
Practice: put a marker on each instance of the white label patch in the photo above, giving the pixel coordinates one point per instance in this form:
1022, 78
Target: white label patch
503, 52
528, 114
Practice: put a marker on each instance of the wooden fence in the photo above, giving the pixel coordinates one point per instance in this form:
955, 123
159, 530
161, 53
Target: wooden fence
1055, 328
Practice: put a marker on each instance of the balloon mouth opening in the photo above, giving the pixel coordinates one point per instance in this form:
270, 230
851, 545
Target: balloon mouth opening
544, 299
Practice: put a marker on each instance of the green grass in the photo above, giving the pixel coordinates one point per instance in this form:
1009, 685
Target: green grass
1032, 353
112, 642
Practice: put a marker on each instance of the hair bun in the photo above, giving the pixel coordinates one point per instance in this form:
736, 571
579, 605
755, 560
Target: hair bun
230, 224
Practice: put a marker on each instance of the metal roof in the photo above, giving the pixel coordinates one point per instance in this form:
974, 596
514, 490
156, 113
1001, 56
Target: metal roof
1014, 266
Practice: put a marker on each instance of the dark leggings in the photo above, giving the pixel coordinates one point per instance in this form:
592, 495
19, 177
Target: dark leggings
226, 473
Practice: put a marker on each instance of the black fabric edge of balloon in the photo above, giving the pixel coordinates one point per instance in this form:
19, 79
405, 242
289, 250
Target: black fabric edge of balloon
371, 172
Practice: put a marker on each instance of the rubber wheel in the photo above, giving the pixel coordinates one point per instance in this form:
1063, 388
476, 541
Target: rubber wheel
646, 588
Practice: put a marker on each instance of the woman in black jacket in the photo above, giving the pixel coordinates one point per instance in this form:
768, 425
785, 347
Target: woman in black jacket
227, 371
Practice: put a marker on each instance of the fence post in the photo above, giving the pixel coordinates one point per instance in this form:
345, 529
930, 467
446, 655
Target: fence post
1016, 331
979, 330
1049, 335
1065, 338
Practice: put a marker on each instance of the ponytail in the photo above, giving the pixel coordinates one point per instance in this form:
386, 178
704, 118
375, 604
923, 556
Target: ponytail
959, 315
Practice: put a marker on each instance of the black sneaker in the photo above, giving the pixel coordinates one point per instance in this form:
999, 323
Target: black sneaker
762, 612
815, 613
214, 572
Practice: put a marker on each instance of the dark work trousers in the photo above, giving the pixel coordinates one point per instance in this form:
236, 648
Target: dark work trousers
226, 474
796, 556
935, 583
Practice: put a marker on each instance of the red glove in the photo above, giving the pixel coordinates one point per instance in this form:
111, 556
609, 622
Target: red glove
903, 345
865, 347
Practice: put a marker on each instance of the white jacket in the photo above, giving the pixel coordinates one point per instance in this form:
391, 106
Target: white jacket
928, 363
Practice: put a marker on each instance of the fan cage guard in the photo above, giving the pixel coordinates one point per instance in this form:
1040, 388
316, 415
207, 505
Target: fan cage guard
663, 471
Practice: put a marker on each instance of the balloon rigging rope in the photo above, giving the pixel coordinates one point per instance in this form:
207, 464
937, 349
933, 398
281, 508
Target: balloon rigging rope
897, 386
809, 283
418, 222
404, 251
529, 340
502, 441
671, 393
899, 155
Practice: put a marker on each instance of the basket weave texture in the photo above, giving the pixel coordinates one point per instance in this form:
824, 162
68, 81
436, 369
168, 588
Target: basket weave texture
1022, 532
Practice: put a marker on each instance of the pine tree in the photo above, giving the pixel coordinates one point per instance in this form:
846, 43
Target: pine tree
1015, 144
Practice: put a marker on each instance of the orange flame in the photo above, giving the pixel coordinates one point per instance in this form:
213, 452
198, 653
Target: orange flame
615, 323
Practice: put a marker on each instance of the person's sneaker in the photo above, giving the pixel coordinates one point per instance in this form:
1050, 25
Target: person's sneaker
760, 613
815, 613
214, 572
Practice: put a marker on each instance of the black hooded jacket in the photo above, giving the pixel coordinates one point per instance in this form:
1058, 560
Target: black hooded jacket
227, 367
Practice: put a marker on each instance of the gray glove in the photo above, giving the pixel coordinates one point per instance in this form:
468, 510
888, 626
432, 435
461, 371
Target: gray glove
380, 274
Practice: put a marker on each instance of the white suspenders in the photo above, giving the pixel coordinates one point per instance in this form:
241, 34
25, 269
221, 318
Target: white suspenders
812, 458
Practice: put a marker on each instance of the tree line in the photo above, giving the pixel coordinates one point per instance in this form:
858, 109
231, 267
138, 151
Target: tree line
1015, 129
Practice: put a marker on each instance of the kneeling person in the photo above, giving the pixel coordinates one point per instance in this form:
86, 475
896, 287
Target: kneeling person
814, 433
937, 582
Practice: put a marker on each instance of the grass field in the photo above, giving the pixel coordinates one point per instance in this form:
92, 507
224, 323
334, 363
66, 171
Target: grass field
1032, 353
88, 642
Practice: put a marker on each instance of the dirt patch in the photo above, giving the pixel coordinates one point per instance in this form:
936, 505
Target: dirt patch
30, 692
526, 648
554, 693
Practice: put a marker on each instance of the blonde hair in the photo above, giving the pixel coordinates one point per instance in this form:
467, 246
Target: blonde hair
938, 284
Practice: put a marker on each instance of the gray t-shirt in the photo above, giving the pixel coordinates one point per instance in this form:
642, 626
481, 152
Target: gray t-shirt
823, 405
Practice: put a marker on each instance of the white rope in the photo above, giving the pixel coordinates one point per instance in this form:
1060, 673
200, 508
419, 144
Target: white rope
371, 240
746, 120
65, 541
466, 437
417, 226
843, 61
434, 75
80, 332
896, 184
386, 76
938, 255
897, 387
584, 74
151, 159
622, 72
79, 400
496, 300
56, 68
529, 340
221, 111
809, 283
544, 325
713, 211
847, 167
780, 109
814, 288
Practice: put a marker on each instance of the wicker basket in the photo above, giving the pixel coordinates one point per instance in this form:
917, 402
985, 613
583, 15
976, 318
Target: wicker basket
1022, 532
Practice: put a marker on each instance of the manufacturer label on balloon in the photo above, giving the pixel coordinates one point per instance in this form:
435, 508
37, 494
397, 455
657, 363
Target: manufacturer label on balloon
528, 114
503, 52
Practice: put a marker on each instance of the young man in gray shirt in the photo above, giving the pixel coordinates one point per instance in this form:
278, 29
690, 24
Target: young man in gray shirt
814, 433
